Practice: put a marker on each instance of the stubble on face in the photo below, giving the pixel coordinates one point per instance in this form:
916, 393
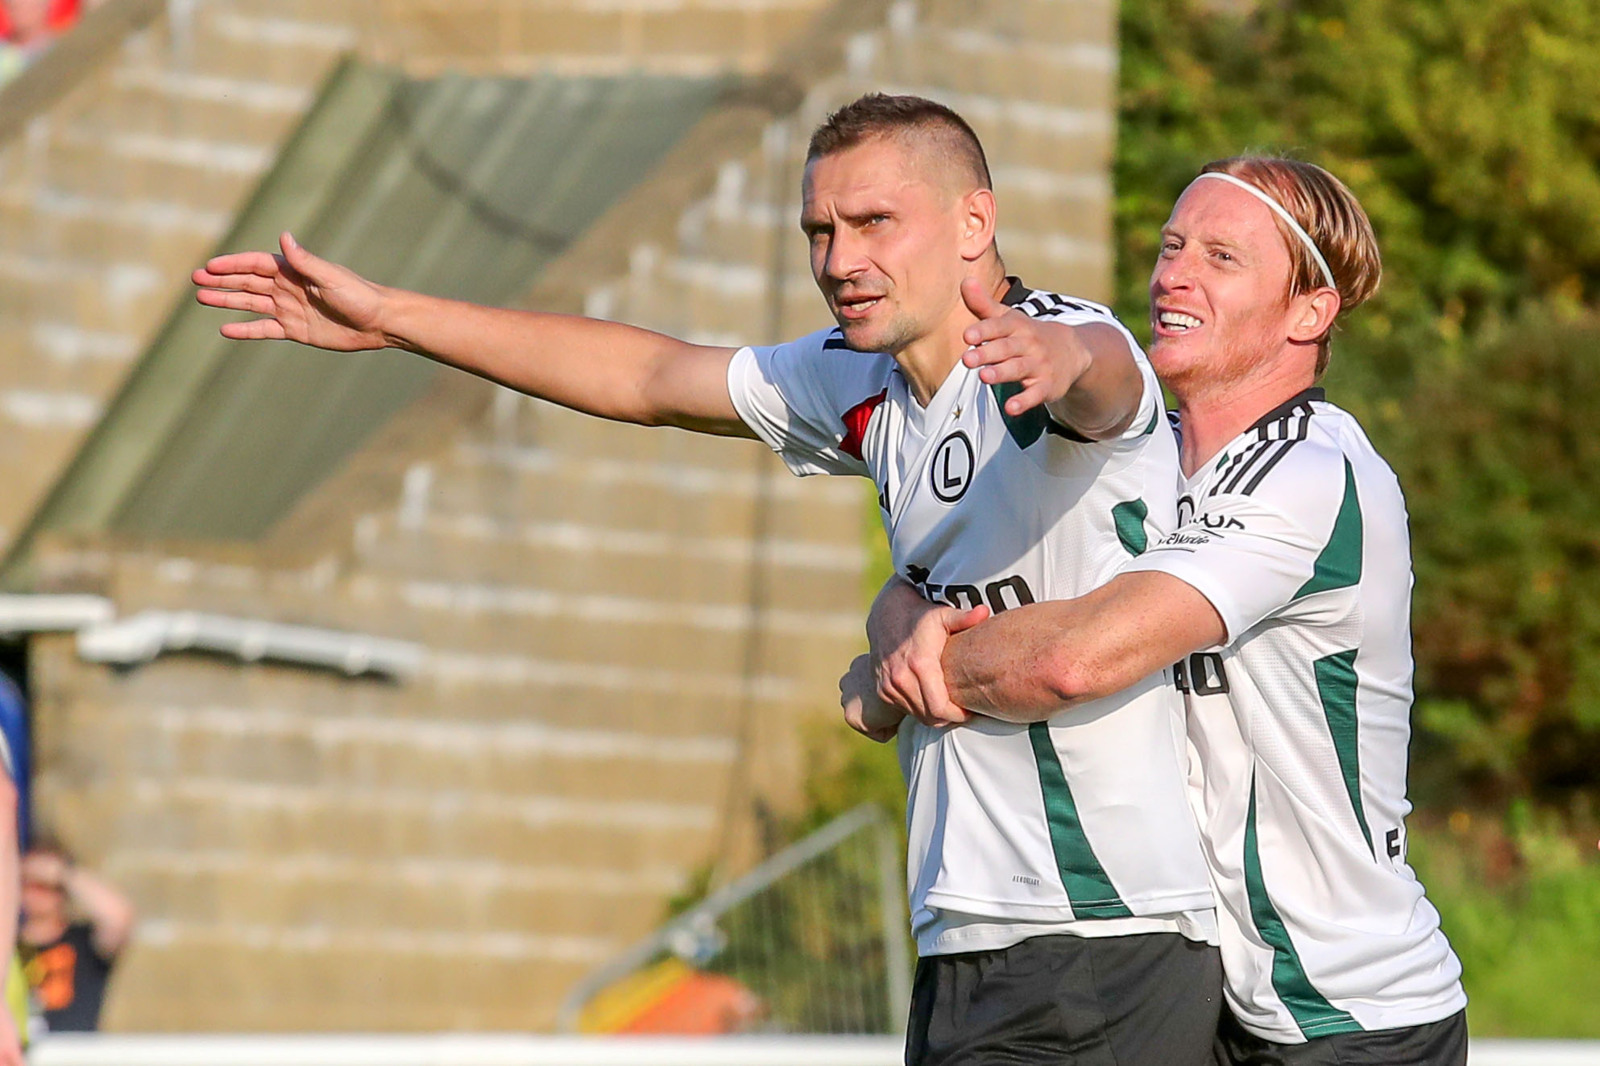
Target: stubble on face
1224, 271
895, 262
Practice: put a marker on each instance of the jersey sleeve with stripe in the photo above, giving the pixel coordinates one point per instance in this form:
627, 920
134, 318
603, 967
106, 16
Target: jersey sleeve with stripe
1077, 825
1297, 535
1070, 452
810, 400
1256, 553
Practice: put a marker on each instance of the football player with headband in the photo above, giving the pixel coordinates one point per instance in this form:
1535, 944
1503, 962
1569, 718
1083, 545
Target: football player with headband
1281, 609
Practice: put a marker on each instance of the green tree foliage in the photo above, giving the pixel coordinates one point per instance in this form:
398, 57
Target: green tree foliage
1500, 476
1470, 130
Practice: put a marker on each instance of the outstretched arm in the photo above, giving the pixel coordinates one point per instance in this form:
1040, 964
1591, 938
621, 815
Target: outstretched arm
110, 913
1029, 663
1084, 375
601, 368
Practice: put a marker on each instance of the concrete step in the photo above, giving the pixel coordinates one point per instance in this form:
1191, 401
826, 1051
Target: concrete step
579, 628
541, 424
378, 824
991, 62
197, 978
1055, 22
26, 370
524, 689
187, 106
95, 295
541, 484
35, 347
255, 42
263, 746
687, 36
605, 560
409, 895
49, 222
203, 175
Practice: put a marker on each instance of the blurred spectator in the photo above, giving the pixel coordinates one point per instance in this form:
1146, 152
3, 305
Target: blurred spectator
73, 926
26, 29
672, 997
14, 1010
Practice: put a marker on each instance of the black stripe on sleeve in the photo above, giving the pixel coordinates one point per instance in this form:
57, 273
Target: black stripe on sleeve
1233, 467
1274, 440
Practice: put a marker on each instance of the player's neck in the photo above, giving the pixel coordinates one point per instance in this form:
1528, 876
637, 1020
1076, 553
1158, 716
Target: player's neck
927, 361
1211, 417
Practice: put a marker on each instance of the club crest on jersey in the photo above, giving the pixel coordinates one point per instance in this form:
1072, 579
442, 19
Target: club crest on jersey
953, 467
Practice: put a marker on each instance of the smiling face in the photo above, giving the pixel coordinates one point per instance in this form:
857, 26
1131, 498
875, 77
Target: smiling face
890, 242
1220, 308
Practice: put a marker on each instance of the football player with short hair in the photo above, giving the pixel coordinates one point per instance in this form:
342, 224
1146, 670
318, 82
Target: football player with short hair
1059, 897
1283, 601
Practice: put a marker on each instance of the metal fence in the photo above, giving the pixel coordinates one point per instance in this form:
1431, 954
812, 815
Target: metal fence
816, 936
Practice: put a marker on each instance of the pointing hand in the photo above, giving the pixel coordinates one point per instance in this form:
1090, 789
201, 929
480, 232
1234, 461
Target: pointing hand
1045, 358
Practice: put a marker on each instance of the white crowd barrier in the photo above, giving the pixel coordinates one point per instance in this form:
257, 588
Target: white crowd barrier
517, 1050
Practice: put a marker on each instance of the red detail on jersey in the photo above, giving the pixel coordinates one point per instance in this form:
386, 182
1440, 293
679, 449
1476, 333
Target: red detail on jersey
855, 423
59, 16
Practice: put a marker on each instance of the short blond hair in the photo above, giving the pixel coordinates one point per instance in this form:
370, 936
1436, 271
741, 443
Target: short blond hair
1333, 218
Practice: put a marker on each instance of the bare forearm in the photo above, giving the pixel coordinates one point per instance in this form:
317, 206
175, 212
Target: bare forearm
108, 910
1011, 667
601, 368
1103, 400
1030, 663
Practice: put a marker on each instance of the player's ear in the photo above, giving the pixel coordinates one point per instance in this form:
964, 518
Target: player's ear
977, 219
1313, 314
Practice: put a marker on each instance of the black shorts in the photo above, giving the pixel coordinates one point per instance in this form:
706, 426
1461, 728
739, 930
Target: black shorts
1442, 1043
1146, 1000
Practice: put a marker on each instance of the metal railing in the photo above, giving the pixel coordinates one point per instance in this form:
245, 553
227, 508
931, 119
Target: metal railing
763, 930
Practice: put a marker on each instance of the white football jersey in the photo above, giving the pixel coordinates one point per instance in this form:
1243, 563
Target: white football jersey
1296, 533
1080, 824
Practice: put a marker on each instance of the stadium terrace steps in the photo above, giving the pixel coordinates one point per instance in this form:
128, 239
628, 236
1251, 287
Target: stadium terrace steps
1058, 22
489, 618
377, 824
667, 35
567, 555
262, 747
452, 850
345, 895
516, 690
255, 981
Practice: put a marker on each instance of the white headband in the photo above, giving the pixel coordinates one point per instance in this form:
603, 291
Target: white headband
1277, 209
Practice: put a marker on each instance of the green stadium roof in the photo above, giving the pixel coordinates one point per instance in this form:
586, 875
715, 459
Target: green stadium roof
464, 187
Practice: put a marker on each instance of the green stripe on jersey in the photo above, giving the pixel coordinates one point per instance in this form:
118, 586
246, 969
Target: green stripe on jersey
1027, 427
1339, 565
1336, 684
1088, 888
1311, 1012
1129, 517
1031, 424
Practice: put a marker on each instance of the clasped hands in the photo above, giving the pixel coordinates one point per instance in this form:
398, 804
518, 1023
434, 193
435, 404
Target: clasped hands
903, 674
